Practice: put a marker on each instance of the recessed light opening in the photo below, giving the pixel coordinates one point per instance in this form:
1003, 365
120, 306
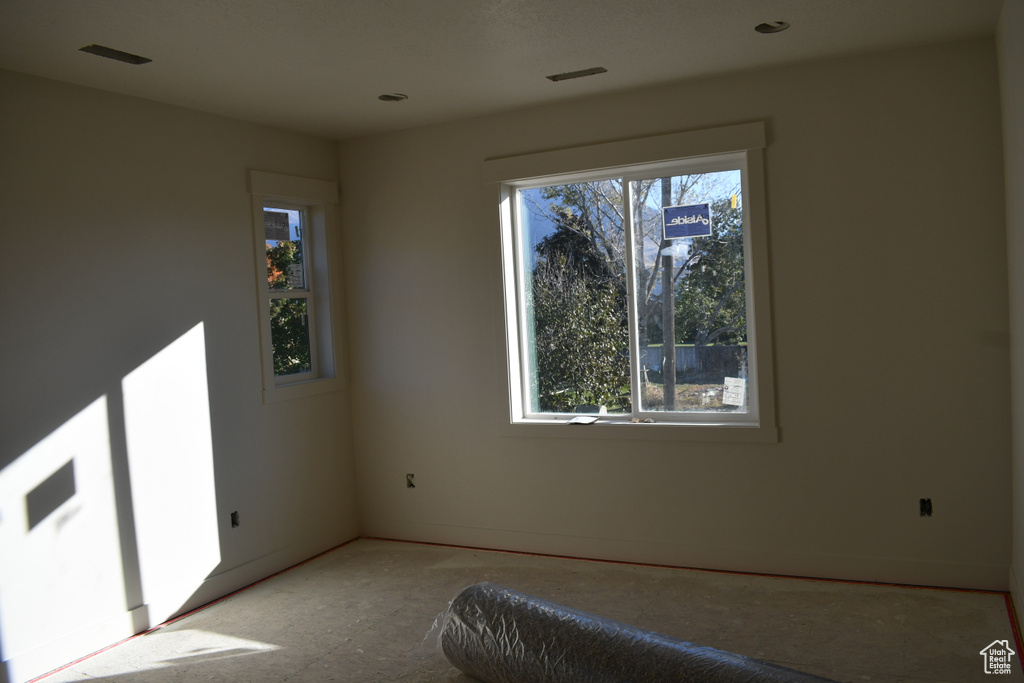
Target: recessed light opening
772, 27
111, 53
578, 74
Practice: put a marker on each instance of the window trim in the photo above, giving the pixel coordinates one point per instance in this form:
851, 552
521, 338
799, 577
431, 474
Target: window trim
317, 200
621, 158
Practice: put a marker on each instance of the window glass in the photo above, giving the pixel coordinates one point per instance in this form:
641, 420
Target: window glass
289, 291
579, 330
283, 229
633, 295
289, 334
690, 298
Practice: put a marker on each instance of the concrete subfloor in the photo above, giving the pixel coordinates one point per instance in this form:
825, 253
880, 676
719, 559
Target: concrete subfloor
363, 611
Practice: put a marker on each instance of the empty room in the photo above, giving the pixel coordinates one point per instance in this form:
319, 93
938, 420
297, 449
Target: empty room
699, 321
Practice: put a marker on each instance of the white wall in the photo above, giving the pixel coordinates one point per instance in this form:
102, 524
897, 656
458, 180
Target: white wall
130, 299
888, 266
1011, 71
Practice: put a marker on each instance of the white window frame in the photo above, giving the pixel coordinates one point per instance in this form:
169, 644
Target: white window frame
740, 146
316, 200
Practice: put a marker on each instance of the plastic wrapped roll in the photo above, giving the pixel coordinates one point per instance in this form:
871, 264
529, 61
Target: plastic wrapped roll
499, 635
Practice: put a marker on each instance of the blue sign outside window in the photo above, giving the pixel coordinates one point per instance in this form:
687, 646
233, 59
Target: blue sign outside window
693, 220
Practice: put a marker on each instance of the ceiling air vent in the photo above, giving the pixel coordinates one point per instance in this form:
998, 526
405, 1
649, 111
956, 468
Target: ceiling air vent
772, 27
111, 53
578, 74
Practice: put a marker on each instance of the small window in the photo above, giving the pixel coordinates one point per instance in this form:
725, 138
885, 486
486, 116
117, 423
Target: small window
291, 216
288, 291
632, 296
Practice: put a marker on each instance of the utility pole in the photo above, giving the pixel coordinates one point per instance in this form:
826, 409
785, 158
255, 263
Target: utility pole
668, 313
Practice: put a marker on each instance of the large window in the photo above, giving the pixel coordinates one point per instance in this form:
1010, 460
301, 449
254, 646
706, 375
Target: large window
631, 292
290, 219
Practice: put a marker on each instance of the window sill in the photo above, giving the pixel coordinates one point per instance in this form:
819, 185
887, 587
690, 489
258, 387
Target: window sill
643, 431
294, 390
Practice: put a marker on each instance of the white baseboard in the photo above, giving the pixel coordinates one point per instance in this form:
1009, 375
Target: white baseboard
1016, 598
895, 570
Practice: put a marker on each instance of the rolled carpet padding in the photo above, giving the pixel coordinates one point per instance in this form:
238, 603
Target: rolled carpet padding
500, 635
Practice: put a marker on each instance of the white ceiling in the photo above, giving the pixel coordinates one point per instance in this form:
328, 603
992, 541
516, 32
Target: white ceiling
318, 66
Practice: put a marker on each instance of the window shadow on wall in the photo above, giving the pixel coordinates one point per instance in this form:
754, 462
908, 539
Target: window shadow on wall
109, 523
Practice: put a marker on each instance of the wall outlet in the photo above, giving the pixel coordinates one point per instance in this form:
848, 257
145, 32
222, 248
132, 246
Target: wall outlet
409, 483
926, 507
234, 519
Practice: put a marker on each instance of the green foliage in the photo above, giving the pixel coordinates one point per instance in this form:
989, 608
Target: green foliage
280, 258
710, 297
580, 327
289, 335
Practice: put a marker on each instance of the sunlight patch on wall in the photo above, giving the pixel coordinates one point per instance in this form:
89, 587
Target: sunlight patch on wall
61, 568
170, 464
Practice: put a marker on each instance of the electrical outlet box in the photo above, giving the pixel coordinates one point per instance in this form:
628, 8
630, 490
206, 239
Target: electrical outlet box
234, 519
926, 507
409, 483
